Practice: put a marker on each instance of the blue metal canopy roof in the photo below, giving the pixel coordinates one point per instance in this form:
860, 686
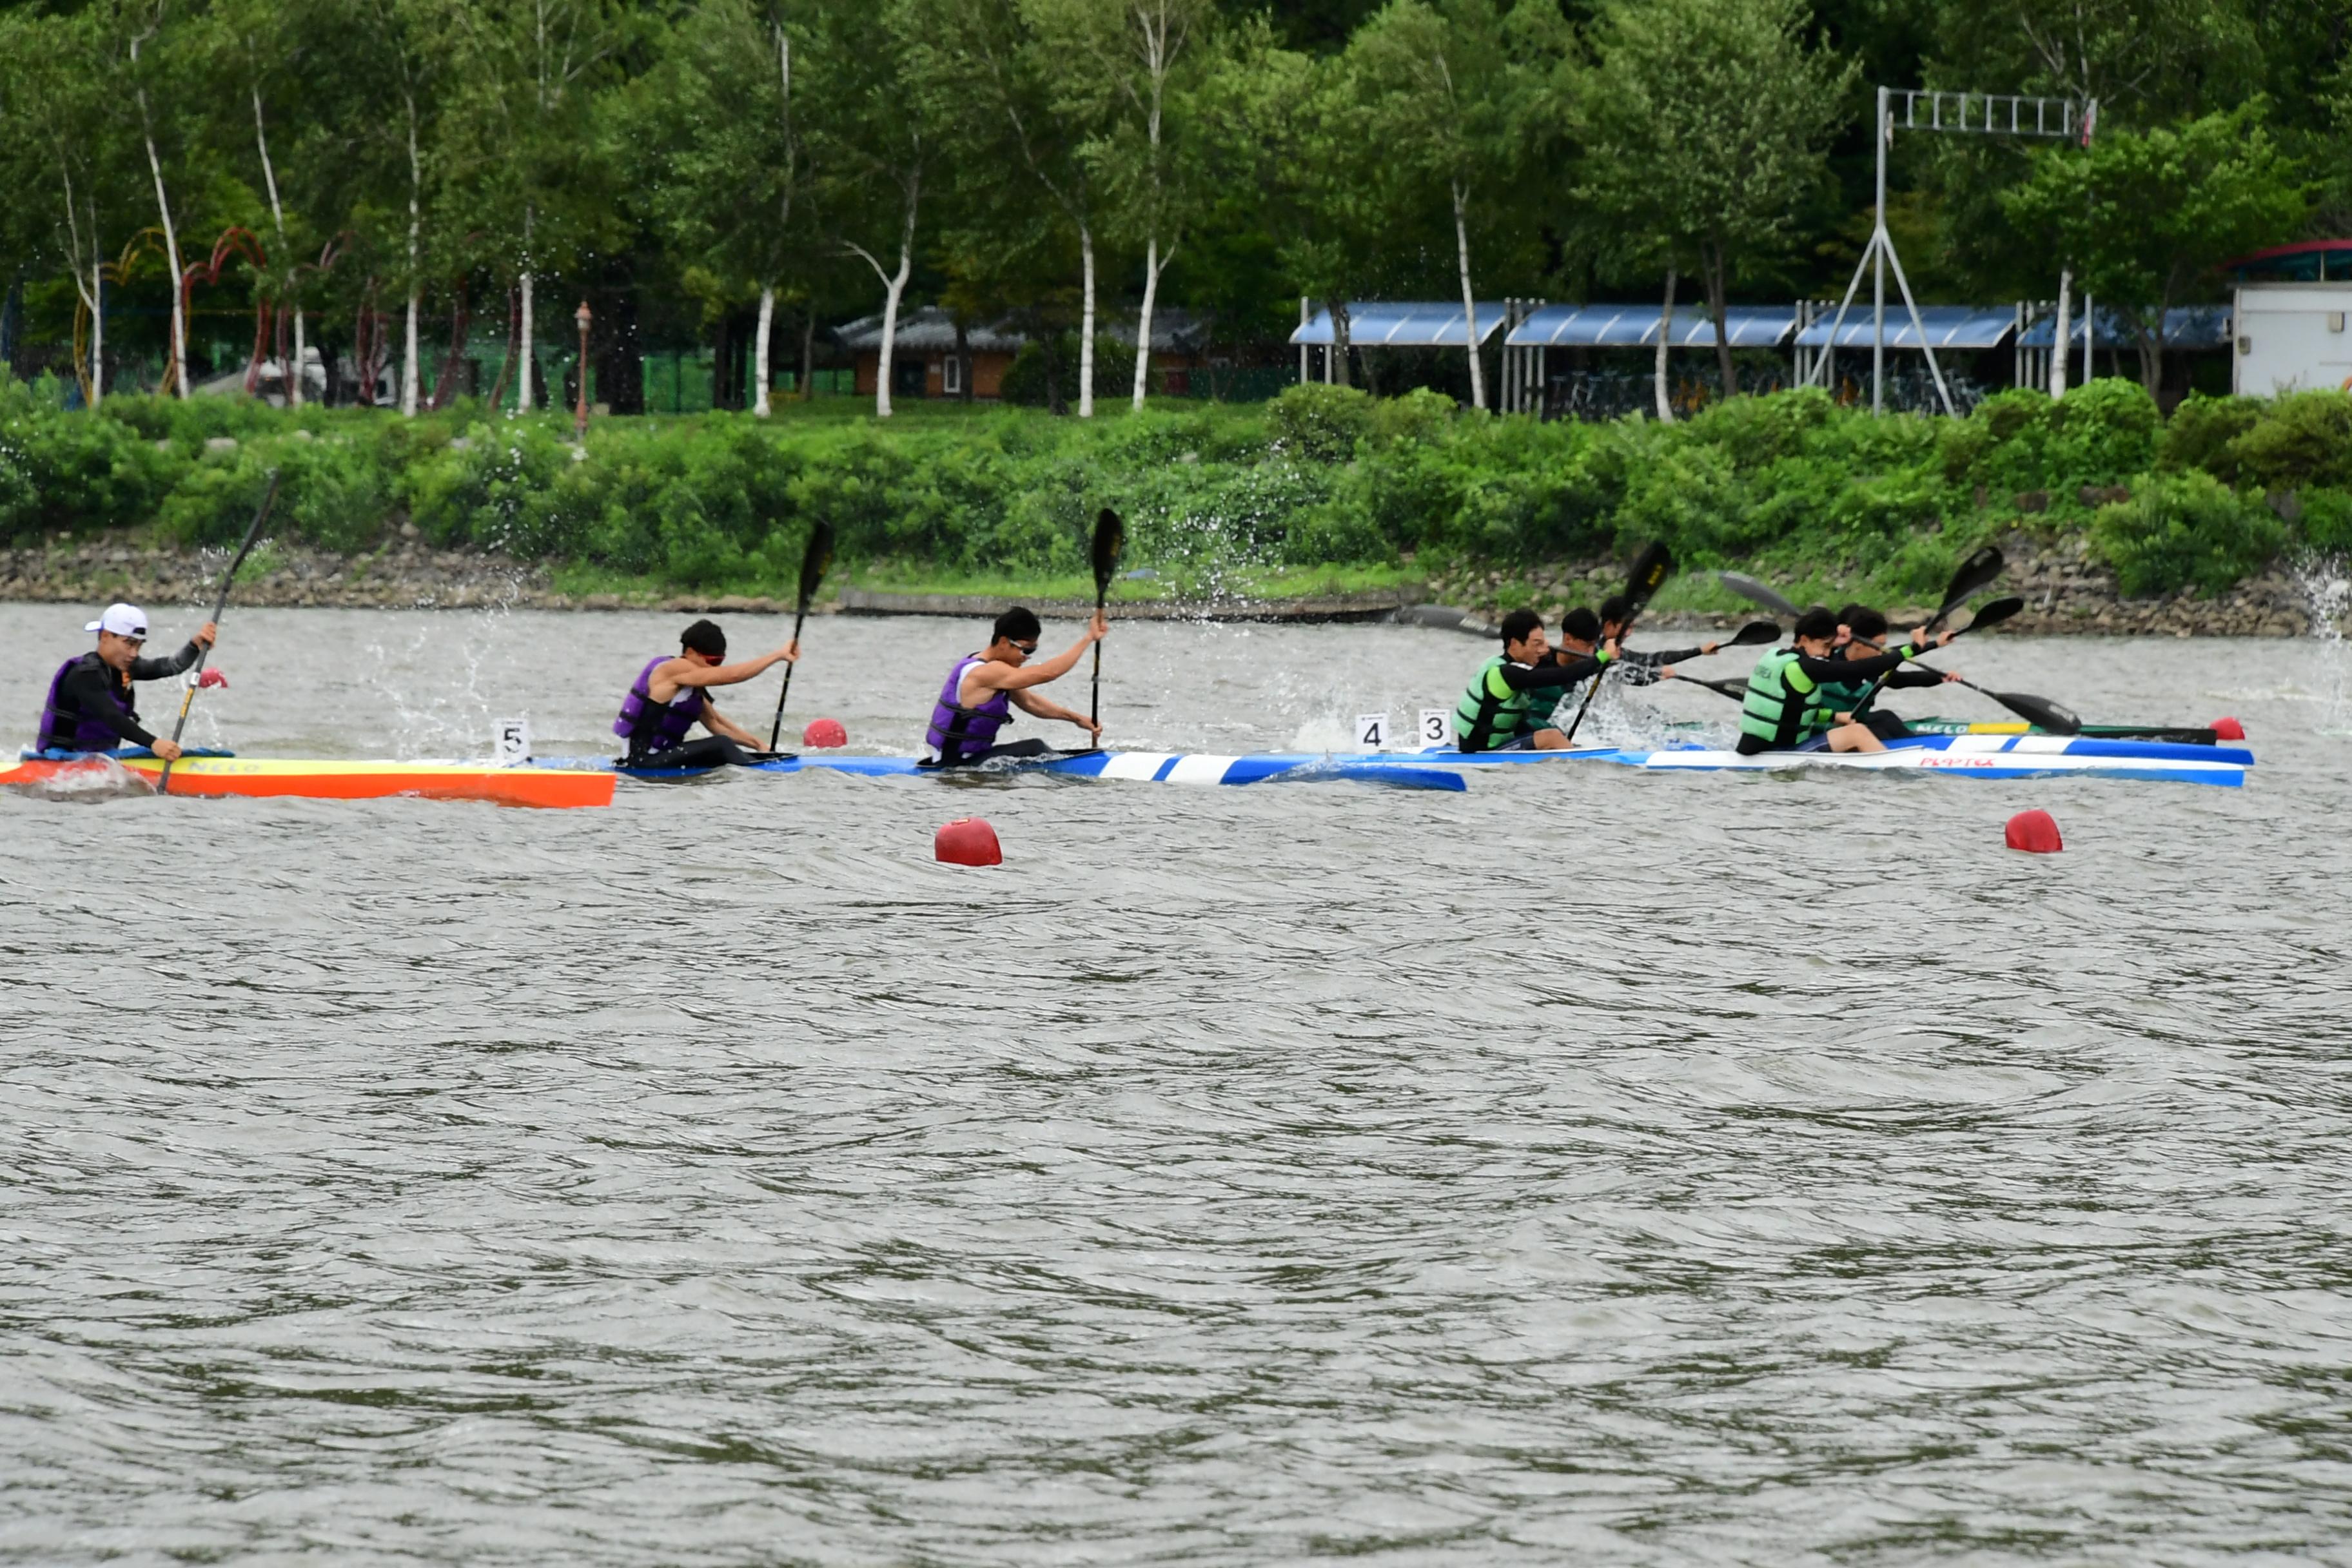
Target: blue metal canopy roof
1404, 324
1948, 327
2185, 327
1636, 326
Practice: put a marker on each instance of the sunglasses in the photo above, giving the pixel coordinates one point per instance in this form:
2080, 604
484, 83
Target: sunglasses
1025, 648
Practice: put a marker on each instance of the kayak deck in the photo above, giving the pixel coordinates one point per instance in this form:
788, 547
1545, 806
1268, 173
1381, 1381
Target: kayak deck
1995, 756
1139, 767
217, 775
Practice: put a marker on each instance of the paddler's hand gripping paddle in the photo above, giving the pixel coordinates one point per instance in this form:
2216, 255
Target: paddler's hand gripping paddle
220, 607
815, 560
1650, 568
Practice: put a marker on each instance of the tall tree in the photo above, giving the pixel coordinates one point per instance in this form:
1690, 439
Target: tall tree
2149, 215
532, 178
1288, 129
69, 154
1436, 85
408, 46
146, 35
871, 151
1122, 72
995, 87
1704, 125
731, 176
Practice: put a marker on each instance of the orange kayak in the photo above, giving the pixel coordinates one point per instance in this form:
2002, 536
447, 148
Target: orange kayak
326, 780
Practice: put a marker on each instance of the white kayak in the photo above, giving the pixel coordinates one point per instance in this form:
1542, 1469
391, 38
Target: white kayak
1964, 756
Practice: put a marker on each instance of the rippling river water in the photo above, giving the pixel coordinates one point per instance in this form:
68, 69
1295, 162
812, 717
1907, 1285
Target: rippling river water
1596, 1166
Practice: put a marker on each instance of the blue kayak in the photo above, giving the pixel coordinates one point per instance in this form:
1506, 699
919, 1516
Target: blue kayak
1138, 767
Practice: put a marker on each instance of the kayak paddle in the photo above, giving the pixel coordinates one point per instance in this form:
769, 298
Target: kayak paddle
1756, 593
1754, 634
1111, 536
1650, 568
1735, 690
220, 607
1970, 578
2038, 711
814, 561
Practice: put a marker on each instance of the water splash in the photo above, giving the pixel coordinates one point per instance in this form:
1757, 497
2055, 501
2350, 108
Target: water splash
2326, 594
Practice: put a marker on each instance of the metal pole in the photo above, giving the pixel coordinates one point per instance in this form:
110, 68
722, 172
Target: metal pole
1302, 347
1884, 130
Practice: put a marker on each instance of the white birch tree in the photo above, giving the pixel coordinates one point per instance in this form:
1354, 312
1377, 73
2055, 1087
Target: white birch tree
991, 81
1434, 86
870, 148
64, 157
140, 26
729, 177
1122, 65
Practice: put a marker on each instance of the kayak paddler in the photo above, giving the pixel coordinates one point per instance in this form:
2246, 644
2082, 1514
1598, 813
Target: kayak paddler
1582, 630
1788, 708
672, 694
92, 705
980, 691
1509, 705
1862, 634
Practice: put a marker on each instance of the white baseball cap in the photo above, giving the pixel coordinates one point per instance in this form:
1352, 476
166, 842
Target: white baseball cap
122, 620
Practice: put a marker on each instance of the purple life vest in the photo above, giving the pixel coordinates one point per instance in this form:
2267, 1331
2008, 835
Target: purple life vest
68, 729
957, 732
674, 719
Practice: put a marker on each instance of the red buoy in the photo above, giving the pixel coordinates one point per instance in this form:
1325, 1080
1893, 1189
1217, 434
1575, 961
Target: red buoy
823, 733
2228, 728
968, 841
2035, 832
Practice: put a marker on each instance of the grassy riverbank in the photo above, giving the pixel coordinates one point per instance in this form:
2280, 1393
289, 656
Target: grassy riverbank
1323, 491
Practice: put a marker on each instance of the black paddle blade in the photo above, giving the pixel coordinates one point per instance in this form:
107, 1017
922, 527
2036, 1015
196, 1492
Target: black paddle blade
1731, 689
1993, 614
1651, 569
1753, 634
2038, 711
815, 560
1111, 538
1756, 593
1972, 577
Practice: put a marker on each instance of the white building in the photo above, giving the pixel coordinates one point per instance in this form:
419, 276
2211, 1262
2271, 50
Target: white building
2290, 318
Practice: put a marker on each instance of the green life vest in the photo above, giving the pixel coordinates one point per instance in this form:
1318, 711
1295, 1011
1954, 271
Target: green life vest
1840, 696
1784, 706
1491, 713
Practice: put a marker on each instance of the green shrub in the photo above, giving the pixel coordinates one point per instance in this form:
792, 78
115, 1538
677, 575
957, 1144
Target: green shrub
74, 471
2185, 530
1421, 415
2108, 432
2103, 433
1317, 421
2200, 433
2302, 438
328, 494
2326, 521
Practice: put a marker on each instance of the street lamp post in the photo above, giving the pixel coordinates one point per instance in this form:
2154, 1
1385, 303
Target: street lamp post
580, 419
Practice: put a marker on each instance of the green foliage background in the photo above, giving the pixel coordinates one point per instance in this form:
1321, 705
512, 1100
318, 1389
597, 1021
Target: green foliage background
1322, 477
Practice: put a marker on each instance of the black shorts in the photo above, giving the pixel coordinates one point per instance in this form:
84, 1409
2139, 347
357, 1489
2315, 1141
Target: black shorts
1032, 747
704, 751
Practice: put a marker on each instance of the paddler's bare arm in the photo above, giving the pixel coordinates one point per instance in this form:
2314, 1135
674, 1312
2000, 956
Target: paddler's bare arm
718, 723
1045, 707
672, 673
1005, 678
